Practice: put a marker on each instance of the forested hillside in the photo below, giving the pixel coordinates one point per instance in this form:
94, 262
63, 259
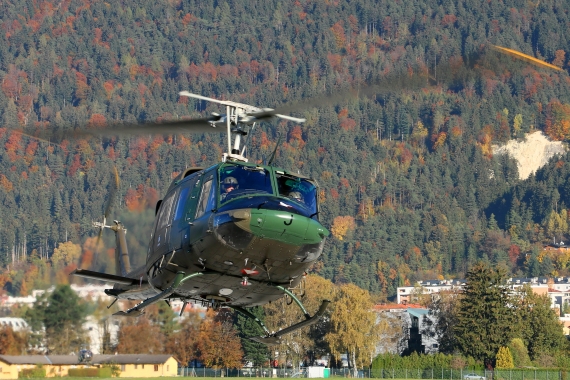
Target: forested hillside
408, 179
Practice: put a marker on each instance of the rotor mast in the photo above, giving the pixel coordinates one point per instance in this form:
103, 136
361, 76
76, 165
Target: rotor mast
240, 120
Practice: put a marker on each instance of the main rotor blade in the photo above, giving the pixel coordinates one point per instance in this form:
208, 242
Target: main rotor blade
201, 97
413, 82
204, 125
445, 73
525, 57
409, 78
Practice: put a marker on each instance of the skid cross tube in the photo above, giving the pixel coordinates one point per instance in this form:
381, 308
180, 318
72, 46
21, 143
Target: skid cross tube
179, 279
276, 337
249, 314
290, 294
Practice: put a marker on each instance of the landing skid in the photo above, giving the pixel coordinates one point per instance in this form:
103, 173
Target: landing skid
138, 309
275, 338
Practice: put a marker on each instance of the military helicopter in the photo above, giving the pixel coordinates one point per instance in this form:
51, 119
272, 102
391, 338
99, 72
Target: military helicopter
236, 234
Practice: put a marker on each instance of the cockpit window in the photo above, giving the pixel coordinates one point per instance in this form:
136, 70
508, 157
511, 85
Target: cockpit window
238, 180
299, 190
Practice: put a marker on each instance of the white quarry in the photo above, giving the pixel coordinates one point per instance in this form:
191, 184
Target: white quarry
531, 153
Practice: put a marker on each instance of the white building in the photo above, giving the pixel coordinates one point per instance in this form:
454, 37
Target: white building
407, 294
16, 324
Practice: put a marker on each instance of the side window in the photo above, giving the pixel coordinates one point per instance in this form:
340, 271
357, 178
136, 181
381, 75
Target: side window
164, 216
180, 206
204, 197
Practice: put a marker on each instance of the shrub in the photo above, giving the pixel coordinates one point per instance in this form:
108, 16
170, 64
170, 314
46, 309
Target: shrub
35, 373
90, 372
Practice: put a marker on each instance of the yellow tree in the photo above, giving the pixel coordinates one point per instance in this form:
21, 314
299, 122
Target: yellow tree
556, 224
342, 225
504, 358
283, 313
353, 327
65, 254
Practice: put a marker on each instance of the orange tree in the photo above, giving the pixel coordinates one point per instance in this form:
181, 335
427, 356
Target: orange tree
218, 344
139, 336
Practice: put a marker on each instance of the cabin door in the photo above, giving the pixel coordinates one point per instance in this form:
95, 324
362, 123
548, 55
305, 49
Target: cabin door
180, 237
161, 242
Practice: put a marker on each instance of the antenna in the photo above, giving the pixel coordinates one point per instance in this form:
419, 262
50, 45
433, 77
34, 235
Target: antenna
272, 158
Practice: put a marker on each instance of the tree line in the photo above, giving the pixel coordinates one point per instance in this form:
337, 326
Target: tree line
488, 325
216, 339
408, 180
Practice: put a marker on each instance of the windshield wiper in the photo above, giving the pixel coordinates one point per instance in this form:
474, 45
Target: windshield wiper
254, 169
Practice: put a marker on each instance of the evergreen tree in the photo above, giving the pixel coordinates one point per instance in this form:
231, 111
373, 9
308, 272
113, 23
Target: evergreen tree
504, 358
519, 352
254, 352
485, 320
63, 317
539, 325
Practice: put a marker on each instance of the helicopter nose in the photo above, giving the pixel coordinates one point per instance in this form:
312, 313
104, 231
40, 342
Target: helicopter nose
280, 225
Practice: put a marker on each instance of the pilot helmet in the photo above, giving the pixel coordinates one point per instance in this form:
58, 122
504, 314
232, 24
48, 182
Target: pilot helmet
295, 195
230, 182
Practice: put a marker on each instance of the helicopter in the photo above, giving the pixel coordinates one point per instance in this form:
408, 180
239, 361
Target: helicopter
236, 234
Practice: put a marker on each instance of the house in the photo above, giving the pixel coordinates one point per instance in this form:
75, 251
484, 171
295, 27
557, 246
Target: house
409, 294
140, 365
16, 324
58, 365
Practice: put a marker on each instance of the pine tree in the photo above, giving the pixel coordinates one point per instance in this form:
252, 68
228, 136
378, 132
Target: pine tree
485, 320
253, 352
62, 315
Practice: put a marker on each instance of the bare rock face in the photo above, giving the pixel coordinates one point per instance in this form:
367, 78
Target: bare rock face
532, 153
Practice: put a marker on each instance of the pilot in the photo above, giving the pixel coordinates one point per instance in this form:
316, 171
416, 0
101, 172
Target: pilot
295, 195
229, 184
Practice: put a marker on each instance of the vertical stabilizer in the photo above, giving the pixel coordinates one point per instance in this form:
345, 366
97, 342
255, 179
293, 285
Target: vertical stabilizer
122, 262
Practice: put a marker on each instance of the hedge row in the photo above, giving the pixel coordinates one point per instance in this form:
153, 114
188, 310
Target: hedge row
90, 372
32, 373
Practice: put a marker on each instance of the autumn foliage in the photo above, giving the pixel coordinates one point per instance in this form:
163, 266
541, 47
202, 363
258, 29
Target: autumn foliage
11, 342
140, 198
218, 344
558, 122
139, 337
342, 225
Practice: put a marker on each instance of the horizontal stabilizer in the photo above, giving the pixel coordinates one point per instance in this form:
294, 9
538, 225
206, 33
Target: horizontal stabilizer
105, 277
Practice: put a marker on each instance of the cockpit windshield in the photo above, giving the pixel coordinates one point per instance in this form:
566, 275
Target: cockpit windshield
240, 180
299, 190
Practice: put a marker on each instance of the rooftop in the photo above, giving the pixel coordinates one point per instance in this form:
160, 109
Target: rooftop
73, 359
